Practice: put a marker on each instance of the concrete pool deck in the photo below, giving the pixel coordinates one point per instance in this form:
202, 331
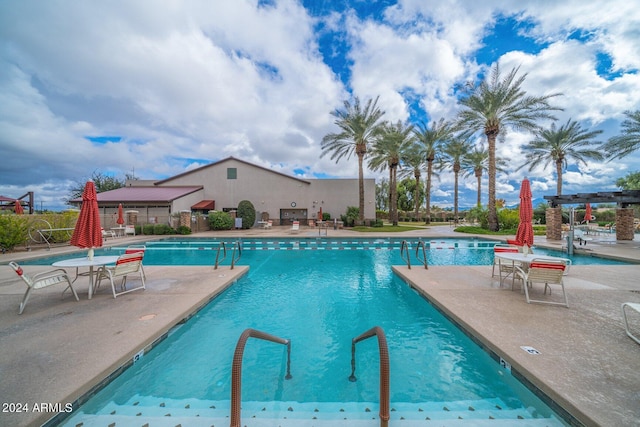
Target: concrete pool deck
59, 349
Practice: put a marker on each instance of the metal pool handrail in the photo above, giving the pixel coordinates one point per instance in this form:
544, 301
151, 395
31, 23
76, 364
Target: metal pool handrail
224, 255
236, 245
423, 260
404, 248
233, 255
384, 369
236, 368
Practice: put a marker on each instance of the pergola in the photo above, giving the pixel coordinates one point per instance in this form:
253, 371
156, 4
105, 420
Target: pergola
622, 198
624, 214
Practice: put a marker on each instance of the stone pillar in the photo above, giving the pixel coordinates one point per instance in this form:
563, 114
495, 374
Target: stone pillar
554, 223
132, 217
624, 224
185, 219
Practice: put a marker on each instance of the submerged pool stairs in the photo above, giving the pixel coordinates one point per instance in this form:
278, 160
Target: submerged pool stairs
158, 412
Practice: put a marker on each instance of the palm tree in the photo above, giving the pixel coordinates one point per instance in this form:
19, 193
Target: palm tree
494, 106
431, 139
557, 145
413, 162
387, 151
358, 128
476, 163
622, 145
453, 153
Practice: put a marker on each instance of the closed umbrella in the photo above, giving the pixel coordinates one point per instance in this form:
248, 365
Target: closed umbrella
524, 235
587, 213
18, 208
120, 219
88, 233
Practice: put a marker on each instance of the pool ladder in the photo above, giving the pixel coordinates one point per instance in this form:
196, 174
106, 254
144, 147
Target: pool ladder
236, 245
406, 256
236, 369
384, 369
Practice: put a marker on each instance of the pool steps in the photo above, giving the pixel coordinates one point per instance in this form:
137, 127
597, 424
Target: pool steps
153, 411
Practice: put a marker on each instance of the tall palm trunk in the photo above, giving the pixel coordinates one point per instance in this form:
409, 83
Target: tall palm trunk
416, 196
360, 152
428, 190
456, 172
559, 175
478, 173
394, 194
493, 213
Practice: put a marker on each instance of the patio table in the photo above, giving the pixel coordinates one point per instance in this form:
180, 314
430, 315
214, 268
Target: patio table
97, 261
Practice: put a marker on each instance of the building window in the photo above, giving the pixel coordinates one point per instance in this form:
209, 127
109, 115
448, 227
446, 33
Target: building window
232, 173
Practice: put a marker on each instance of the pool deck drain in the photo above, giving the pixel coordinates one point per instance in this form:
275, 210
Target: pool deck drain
59, 348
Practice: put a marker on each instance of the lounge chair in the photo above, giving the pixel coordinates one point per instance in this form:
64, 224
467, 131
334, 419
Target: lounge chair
633, 306
132, 249
125, 265
42, 280
504, 267
296, 227
547, 271
107, 233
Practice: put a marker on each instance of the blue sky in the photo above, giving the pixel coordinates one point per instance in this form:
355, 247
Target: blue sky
121, 86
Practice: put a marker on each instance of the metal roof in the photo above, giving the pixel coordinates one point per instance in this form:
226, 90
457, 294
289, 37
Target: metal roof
144, 194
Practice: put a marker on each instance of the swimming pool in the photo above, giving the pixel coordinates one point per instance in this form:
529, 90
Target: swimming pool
201, 251
320, 299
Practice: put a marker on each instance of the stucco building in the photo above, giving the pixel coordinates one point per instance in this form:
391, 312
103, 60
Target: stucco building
223, 184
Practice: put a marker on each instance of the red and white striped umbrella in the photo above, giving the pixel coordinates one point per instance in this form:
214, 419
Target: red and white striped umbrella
587, 213
120, 219
524, 235
88, 232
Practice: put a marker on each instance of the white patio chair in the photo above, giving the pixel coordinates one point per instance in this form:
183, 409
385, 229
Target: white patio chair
107, 233
547, 271
132, 249
42, 280
129, 229
296, 227
125, 265
504, 267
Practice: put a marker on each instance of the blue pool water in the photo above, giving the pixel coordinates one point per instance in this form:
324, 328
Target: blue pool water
439, 251
320, 300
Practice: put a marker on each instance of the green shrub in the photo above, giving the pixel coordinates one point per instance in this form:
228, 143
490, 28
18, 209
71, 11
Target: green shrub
183, 229
220, 220
351, 216
148, 229
161, 229
13, 231
247, 212
508, 219
326, 216
378, 223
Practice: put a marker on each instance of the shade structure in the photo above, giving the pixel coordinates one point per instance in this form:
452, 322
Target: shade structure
587, 213
88, 233
524, 235
18, 209
120, 219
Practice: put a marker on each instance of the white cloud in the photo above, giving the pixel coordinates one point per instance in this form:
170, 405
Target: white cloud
196, 81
